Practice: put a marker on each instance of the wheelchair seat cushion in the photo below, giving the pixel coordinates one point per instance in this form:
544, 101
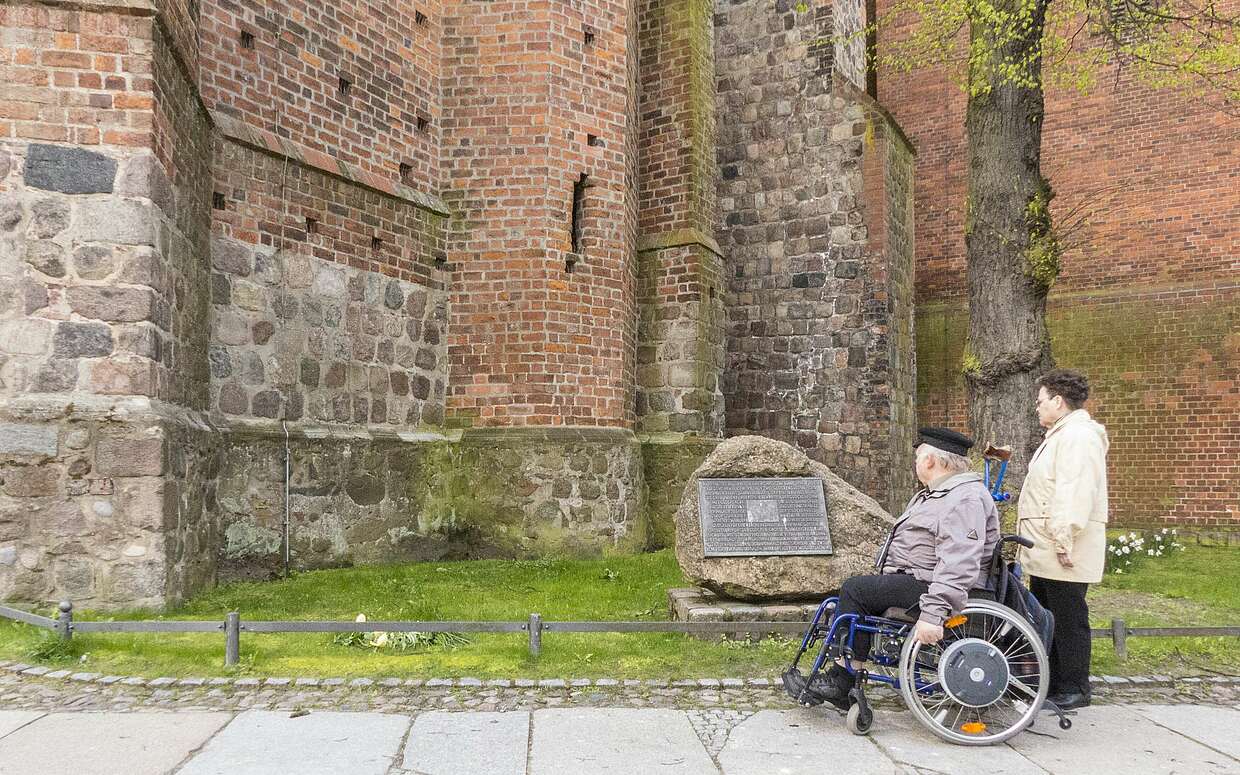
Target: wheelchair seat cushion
898, 614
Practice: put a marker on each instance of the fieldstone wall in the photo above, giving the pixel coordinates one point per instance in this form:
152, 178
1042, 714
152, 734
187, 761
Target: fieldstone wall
105, 467
293, 337
812, 294
492, 493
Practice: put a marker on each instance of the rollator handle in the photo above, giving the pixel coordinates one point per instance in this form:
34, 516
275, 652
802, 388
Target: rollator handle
1025, 542
997, 453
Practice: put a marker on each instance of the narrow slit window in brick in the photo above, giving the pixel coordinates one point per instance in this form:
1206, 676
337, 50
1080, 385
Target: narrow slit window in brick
579, 211
344, 86
247, 39
217, 201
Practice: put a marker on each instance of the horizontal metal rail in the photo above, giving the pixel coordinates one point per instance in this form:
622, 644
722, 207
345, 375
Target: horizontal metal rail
682, 627
153, 625
233, 626
256, 626
27, 617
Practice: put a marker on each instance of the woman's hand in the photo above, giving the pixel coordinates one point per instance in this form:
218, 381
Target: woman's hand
1065, 559
927, 634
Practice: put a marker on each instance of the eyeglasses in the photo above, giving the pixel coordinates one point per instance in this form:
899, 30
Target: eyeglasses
1040, 400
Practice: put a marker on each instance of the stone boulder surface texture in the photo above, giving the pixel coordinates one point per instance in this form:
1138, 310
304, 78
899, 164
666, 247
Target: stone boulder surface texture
858, 527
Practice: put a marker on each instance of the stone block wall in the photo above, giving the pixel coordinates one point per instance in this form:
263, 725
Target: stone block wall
459, 259
812, 293
680, 315
294, 337
383, 499
102, 343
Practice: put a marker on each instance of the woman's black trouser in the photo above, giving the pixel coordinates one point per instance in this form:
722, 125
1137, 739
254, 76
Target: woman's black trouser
1070, 647
873, 595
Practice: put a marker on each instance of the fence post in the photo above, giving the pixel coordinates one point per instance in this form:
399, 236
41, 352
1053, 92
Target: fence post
64, 620
1119, 637
232, 638
535, 628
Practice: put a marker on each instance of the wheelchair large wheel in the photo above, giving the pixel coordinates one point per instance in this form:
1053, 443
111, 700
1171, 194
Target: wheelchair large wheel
984, 682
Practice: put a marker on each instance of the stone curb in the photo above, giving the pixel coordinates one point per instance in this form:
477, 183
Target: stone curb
388, 682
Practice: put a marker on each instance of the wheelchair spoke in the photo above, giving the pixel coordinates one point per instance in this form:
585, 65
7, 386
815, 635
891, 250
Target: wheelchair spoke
1024, 687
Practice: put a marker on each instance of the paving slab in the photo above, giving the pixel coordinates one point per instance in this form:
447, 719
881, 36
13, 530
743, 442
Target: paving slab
1111, 738
903, 739
624, 741
106, 743
13, 720
260, 742
1213, 725
442, 743
800, 742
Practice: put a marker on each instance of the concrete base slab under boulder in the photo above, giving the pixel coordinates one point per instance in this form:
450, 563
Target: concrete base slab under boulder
695, 604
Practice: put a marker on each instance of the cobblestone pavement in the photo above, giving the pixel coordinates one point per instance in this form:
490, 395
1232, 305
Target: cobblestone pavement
733, 719
715, 705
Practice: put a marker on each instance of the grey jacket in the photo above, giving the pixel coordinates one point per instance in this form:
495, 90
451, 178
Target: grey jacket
945, 537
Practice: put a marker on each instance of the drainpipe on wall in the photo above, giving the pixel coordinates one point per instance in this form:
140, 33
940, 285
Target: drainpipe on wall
287, 468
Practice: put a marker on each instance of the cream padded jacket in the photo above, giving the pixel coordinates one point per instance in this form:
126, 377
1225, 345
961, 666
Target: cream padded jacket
1063, 503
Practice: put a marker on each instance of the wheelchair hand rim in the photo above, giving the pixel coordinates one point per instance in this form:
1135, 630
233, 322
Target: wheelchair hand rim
1027, 686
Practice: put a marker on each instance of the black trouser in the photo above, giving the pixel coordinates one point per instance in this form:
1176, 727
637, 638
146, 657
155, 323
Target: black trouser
873, 595
1070, 646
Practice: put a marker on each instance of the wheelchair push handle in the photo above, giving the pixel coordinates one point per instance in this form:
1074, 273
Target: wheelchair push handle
1025, 542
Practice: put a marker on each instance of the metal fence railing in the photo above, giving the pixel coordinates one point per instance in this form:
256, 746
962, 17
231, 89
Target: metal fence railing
232, 626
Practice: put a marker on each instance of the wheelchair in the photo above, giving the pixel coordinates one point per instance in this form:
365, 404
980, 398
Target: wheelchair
986, 681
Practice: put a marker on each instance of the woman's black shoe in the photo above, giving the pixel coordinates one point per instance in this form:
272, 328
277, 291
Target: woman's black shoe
1070, 700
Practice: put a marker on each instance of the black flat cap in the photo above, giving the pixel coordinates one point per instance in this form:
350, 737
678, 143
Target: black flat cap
945, 439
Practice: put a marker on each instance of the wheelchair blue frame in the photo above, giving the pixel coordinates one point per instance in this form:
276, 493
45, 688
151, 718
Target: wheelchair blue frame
875, 626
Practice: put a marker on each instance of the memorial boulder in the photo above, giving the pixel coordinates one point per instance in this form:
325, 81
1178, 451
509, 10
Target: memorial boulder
762, 508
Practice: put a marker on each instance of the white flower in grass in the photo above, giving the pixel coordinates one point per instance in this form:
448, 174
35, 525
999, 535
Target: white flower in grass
1119, 570
1125, 550
1150, 552
1173, 531
1165, 531
381, 640
360, 618
1158, 554
1122, 539
1132, 534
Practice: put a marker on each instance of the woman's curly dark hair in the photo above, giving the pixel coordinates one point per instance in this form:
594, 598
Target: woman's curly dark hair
1072, 385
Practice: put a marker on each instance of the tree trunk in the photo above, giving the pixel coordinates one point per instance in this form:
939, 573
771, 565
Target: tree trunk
1011, 248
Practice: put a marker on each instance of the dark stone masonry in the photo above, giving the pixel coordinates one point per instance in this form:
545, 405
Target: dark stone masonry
360, 282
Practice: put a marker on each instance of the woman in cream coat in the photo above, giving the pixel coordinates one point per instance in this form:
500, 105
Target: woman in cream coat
1063, 509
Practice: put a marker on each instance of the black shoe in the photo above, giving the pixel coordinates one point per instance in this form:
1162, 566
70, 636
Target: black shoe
1070, 700
832, 686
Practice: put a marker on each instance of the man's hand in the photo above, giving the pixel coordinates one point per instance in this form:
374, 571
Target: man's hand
927, 634
1065, 559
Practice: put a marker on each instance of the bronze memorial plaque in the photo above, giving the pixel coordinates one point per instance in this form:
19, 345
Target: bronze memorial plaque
776, 515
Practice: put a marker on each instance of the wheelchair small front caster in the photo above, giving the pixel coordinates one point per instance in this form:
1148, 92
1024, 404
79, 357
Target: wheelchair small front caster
859, 720
1065, 723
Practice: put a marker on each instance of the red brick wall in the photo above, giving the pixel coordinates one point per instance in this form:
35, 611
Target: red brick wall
70, 76
1146, 304
531, 343
288, 83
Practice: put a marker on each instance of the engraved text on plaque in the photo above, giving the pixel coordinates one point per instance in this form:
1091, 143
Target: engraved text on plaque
743, 517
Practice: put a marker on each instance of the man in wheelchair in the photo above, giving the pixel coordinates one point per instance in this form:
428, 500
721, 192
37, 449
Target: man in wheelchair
936, 555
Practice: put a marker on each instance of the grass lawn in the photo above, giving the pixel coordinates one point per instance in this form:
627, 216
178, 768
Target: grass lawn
1199, 586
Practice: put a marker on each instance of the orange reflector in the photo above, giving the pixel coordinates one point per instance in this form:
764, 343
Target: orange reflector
956, 621
973, 727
